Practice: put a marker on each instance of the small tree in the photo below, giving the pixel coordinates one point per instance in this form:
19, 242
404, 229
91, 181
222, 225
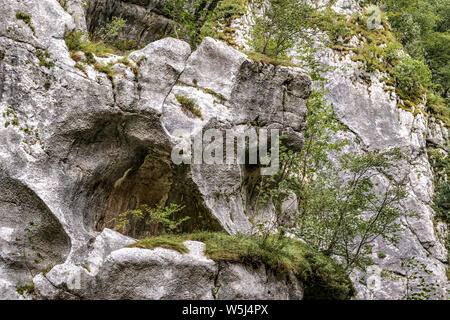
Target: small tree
156, 220
278, 25
188, 16
112, 29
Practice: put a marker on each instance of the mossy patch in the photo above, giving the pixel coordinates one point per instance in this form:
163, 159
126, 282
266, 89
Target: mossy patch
321, 276
377, 50
167, 242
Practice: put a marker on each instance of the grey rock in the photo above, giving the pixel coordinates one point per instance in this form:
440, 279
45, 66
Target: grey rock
134, 273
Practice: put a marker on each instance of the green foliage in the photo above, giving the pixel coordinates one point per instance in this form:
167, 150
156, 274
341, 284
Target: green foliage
111, 30
279, 26
343, 217
417, 288
381, 255
442, 201
26, 246
441, 167
188, 17
172, 242
321, 276
412, 76
345, 201
188, 104
27, 288
156, 220
25, 18
106, 69
45, 59
218, 23
77, 41
438, 107
422, 27
265, 59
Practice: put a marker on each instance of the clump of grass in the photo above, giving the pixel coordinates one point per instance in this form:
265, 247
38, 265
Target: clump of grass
168, 242
133, 67
188, 104
47, 85
322, 278
45, 59
381, 255
265, 59
76, 56
80, 67
106, 69
28, 288
76, 41
215, 94
2, 55
25, 18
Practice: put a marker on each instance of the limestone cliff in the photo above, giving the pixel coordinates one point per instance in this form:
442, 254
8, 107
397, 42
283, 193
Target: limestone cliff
80, 145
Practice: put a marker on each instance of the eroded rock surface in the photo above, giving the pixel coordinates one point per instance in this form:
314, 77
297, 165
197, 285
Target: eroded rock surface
78, 147
134, 273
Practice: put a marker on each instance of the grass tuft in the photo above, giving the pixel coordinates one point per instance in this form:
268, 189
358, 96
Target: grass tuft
25, 18
28, 288
188, 104
265, 59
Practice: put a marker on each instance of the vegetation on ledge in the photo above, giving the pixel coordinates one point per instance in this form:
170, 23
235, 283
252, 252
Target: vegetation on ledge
322, 278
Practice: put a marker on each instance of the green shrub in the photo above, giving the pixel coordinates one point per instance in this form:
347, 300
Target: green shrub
112, 29
265, 59
27, 288
156, 220
77, 41
412, 76
106, 69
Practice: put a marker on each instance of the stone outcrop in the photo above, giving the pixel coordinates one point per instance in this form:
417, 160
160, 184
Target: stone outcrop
367, 107
78, 147
134, 273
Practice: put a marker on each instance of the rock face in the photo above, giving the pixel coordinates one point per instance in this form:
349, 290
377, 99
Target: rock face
78, 148
133, 273
366, 106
